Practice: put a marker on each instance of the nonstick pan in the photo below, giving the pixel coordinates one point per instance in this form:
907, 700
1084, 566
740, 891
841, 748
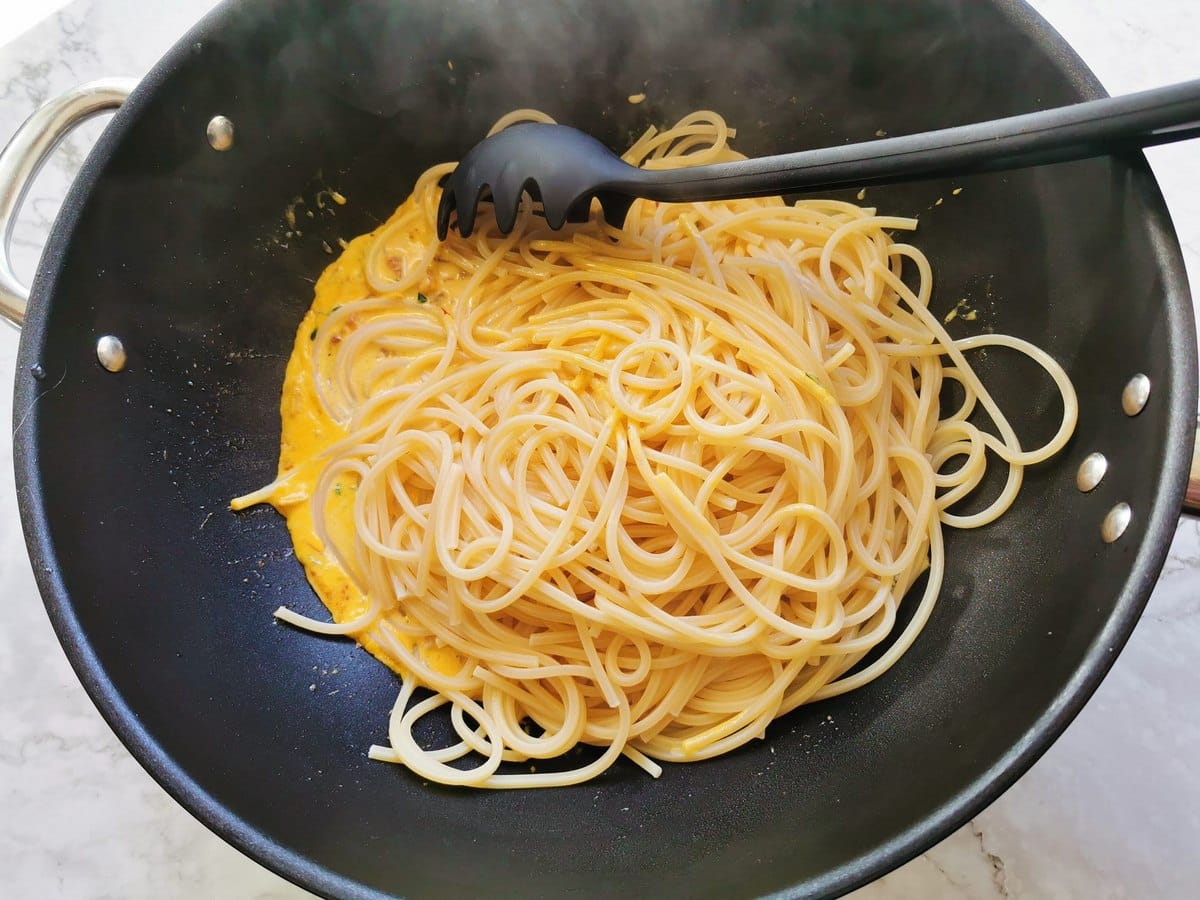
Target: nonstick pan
187, 254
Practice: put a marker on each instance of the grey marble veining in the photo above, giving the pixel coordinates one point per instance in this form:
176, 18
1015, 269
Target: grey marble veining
1111, 811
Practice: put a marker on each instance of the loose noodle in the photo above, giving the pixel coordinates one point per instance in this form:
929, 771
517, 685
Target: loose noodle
653, 487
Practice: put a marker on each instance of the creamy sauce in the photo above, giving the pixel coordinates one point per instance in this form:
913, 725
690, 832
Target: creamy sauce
307, 431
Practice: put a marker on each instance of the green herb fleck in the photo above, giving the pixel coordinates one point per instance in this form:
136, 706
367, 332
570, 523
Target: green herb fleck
337, 489
312, 336
421, 298
812, 377
336, 308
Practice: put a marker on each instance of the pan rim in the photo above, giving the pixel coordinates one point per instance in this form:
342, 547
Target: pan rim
1161, 521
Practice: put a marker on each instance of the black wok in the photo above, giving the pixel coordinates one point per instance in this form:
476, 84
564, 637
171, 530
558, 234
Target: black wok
163, 598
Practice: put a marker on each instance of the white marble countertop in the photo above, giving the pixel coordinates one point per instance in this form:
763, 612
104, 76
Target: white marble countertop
1112, 810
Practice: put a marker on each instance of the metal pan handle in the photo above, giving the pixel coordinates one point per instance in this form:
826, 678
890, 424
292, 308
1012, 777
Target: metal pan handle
23, 157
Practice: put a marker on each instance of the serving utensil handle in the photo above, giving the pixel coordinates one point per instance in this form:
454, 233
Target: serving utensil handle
1083, 130
24, 156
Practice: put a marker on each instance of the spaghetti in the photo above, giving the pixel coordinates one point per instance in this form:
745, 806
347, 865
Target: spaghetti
645, 489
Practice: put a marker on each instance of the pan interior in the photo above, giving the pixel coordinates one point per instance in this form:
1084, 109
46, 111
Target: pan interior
164, 598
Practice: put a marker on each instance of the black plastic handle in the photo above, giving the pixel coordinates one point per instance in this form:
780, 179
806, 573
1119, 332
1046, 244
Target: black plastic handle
1093, 128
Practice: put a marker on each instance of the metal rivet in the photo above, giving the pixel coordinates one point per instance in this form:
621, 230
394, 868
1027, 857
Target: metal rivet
1091, 471
111, 353
1135, 395
1116, 522
220, 133
37, 371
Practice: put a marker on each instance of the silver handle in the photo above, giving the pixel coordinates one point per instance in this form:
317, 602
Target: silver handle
23, 157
